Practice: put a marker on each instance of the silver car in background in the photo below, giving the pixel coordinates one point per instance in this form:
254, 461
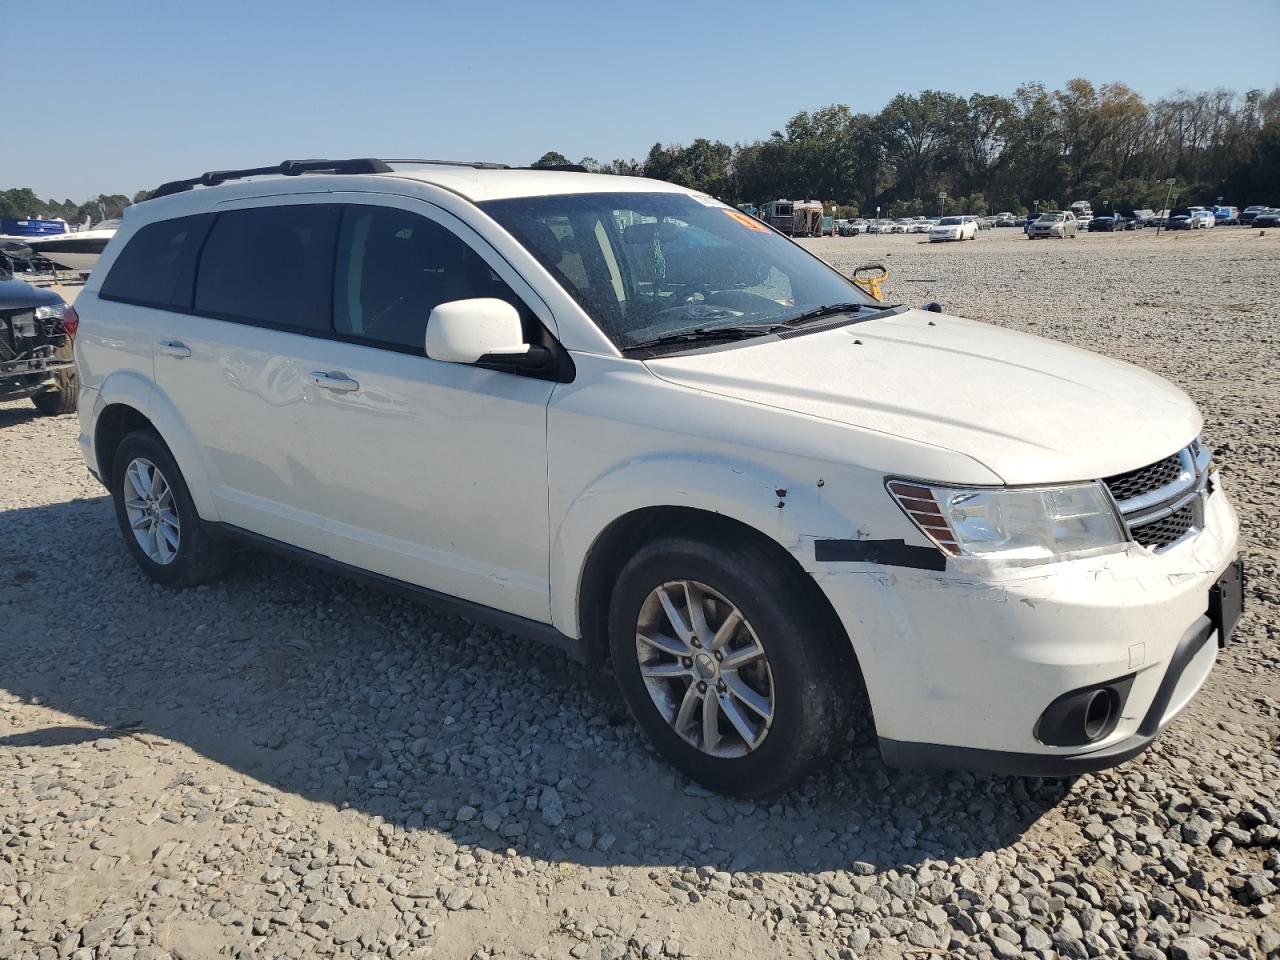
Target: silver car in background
1054, 223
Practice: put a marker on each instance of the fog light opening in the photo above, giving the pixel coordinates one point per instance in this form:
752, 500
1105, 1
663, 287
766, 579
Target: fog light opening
1097, 714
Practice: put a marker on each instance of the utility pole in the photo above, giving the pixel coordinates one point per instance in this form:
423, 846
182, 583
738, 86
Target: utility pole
942, 203
1168, 193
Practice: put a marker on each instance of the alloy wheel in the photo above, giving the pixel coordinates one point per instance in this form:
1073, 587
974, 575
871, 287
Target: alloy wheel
705, 669
152, 513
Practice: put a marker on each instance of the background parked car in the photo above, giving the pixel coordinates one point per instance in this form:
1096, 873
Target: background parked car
1006, 220
1180, 218
1058, 224
1267, 218
1107, 223
36, 332
954, 228
1226, 216
1201, 219
1247, 215
1141, 218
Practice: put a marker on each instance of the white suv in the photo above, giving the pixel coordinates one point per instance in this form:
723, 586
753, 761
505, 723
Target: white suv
622, 417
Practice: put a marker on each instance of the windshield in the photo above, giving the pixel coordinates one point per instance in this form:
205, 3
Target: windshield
643, 265
949, 222
1052, 217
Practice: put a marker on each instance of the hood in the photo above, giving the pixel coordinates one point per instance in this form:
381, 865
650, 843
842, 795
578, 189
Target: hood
15, 294
1029, 409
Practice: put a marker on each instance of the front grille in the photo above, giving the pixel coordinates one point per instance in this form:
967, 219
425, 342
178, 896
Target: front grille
1163, 502
1161, 533
1135, 483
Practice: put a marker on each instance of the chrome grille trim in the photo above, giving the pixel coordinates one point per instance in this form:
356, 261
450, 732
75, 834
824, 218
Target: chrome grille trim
1163, 503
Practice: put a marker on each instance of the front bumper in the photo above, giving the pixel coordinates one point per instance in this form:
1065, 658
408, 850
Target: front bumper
961, 663
22, 378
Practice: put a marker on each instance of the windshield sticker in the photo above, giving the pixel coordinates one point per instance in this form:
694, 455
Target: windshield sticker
748, 221
705, 200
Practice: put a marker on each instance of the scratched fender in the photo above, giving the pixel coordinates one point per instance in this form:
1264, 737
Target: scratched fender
758, 495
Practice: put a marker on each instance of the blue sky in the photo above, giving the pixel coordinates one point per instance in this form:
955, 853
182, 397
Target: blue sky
159, 89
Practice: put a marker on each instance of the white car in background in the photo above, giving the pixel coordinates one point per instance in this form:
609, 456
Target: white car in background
1202, 219
901, 226
618, 416
921, 225
954, 228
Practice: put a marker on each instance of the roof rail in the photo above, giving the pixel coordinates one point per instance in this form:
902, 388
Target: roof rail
560, 167
476, 164
486, 165
288, 168
293, 168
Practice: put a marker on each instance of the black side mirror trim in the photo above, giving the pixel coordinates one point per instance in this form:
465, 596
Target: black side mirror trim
933, 306
542, 363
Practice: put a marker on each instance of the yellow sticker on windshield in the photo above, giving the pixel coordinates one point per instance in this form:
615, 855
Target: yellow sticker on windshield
748, 221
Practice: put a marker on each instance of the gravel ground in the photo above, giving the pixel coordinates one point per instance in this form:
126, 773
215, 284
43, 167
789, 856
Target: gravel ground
284, 764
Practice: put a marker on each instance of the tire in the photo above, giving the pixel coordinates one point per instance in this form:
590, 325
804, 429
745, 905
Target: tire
62, 399
808, 666
199, 555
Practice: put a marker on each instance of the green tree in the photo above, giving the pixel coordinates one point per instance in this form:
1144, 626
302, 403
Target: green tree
552, 158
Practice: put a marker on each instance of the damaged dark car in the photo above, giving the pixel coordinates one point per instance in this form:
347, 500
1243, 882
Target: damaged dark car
36, 332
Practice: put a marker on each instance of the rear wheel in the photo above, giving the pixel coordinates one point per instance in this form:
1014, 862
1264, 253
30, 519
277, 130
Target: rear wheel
161, 527
738, 678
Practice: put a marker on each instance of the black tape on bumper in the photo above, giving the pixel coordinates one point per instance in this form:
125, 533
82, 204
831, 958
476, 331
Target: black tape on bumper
894, 553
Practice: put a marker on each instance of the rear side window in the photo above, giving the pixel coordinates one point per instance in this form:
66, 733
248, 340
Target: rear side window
157, 267
270, 265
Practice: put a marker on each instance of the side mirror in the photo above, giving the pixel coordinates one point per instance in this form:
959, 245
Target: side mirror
469, 331
933, 306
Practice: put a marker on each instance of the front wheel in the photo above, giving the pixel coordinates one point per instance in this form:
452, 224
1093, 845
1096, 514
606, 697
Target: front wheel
729, 666
62, 398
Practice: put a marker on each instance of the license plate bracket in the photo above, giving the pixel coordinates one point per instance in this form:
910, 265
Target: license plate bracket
1226, 601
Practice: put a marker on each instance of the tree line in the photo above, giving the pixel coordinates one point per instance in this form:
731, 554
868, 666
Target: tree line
1104, 144
21, 202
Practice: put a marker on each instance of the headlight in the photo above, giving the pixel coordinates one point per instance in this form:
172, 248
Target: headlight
51, 311
1014, 523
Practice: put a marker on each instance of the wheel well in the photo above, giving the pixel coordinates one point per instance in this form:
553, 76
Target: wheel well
628, 533
114, 423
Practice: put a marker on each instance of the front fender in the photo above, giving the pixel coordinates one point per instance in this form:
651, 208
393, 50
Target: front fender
133, 390
789, 509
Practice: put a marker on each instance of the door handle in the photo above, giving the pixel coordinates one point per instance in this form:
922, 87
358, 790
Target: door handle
174, 348
337, 382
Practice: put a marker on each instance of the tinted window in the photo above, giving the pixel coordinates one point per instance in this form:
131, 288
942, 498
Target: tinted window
271, 265
157, 266
395, 267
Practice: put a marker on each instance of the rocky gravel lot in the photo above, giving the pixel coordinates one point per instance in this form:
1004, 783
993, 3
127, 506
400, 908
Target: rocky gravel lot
286, 765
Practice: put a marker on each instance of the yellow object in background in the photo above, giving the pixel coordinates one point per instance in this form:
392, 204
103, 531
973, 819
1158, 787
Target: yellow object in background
871, 278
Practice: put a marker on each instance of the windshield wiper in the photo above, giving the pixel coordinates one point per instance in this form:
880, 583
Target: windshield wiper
828, 309
740, 332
